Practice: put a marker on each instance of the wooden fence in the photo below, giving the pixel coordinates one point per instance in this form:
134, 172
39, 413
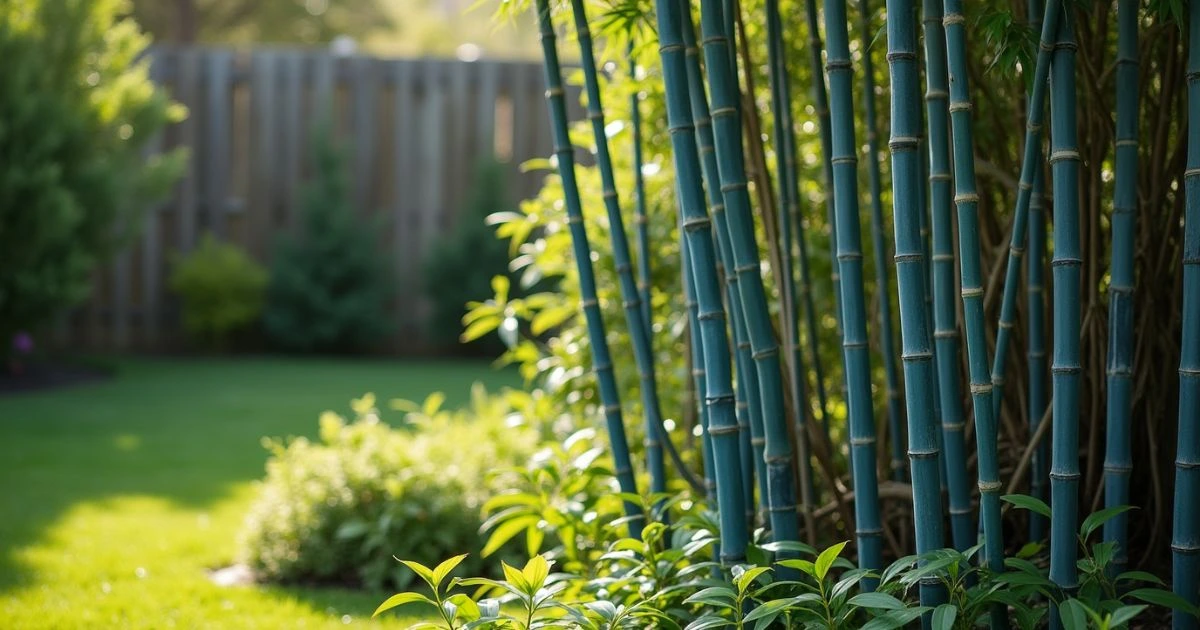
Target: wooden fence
412, 130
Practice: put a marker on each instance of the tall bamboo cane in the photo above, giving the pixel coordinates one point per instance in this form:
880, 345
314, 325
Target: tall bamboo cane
781, 503
917, 350
723, 427
749, 410
639, 207
1036, 343
1185, 541
884, 295
1031, 163
699, 376
821, 101
1064, 160
1118, 457
792, 225
945, 330
658, 440
855, 352
601, 358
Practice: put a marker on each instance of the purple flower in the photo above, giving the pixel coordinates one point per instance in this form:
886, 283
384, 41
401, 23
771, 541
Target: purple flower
22, 342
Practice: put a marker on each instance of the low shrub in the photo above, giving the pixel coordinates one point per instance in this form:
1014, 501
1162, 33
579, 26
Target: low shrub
221, 288
336, 509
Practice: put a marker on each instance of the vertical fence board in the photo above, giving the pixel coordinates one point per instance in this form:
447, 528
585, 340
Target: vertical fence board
263, 112
152, 254
187, 91
363, 95
218, 131
403, 182
293, 137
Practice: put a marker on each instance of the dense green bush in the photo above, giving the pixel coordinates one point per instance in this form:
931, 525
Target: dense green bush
329, 284
462, 264
221, 288
76, 109
336, 509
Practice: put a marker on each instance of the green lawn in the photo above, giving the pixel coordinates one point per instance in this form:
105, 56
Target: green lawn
116, 497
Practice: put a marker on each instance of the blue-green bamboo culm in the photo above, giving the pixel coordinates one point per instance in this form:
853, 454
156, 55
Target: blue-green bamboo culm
1036, 333
747, 381
1185, 539
1031, 163
855, 347
657, 439
945, 328
917, 352
1064, 164
792, 226
601, 358
639, 201
1118, 456
697, 229
727, 136
966, 199
883, 294
699, 376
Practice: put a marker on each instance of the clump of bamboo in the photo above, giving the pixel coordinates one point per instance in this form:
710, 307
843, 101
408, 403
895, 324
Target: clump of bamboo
1118, 455
917, 349
855, 352
1185, 542
601, 358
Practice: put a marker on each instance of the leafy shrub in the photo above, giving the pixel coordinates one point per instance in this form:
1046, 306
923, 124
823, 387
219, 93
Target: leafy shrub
460, 267
329, 283
221, 288
336, 509
76, 108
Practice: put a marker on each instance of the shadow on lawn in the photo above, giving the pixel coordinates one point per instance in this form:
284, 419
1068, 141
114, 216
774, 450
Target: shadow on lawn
188, 431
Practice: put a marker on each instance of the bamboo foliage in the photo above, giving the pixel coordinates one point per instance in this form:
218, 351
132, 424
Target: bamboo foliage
1185, 541
697, 230
883, 294
601, 358
1064, 160
945, 333
1118, 455
727, 132
917, 350
855, 353
966, 198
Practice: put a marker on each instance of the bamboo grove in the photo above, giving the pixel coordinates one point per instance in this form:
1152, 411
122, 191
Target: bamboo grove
1049, 326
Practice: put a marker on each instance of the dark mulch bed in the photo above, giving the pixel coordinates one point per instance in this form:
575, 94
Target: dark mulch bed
43, 375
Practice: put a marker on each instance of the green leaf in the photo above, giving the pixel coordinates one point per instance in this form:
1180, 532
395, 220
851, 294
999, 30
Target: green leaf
425, 572
1125, 614
535, 573
1027, 502
1140, 576
895, 618
506, 531
747, 578
1029, 550
771, 608
445, 568
825, 560
804, 565
1160, 597
1098, 518
1073, 614
876, 601
708, 621
515, 578
721, 596
400, 599
944, 616
788, 546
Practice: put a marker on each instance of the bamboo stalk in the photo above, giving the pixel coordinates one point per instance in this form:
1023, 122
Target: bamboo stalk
1031, 163
699, 376
748, 408
781, 504
1118, 457
1064, 161
1185, 541
945, 323
601, 358
639, 207
967, 200
855, 352
917, 352
1036, 343
657, 437
697, 230
883, 294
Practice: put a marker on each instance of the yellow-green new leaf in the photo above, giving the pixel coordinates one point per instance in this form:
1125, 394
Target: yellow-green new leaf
826, 559
444, 569
400, 599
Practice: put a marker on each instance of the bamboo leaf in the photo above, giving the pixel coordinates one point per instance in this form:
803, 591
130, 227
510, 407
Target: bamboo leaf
400, 599
445, 568
1100, 517
804, 565
1125, 614
895, 618
1073, 614
825, 560
944, 616
876, 601
1027, 502
747, 578
506, 531
1160, 597
721, 596
1140, 576
515, 578
535, 572
708, 621
425, 572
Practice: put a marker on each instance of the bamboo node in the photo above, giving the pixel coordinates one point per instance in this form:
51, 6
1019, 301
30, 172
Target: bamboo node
945, 334
691, 51
1064, 44
943, 258
849, 159
940, 177
1127, 143
746, 268
834, 65
1036, 354
1065, 369
1025, 186
953, 426
715, 39
1064, 154
1066, 262
868, 532
634, 304
698, 373
990, 486
711, 315
765, 353
953, 18
670, 48
901, 55
1189, 372
574, 219
933, 95
612, 408
726, 430
904, 143
1186, 465
865, 441
758, 441
849, 256
1033, 127
554, 92
917, 356
595, 116
966, 198
908, 258
743, 345
971, 292
609, 194
961, 106
681, 128
782, 508
981, 388
696, 223
1191, 172
853, 345
1064, 476
1118, 468
730, 187
723, 111
960, 511
1187, 550
622, 267
588, 302
927, 454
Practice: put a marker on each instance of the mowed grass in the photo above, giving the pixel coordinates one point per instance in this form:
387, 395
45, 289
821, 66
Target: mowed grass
117, 497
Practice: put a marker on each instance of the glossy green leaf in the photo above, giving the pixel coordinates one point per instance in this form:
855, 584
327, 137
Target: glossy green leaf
825, 560
876, 601
944, 616
1027, 502
1100, 517
400, 599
